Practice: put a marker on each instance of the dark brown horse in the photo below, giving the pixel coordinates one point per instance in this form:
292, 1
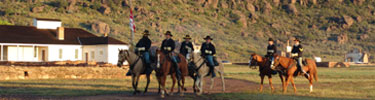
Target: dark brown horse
264, 70
165, 67
289, 66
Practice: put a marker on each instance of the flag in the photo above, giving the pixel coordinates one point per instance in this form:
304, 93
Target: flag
132, 25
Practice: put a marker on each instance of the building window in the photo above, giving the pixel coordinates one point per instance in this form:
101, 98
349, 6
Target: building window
101, 52
76, 54
60, 53
92, 54
35, 51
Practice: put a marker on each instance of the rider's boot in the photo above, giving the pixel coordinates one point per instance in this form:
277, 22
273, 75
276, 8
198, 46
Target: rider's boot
148, 69
129, 73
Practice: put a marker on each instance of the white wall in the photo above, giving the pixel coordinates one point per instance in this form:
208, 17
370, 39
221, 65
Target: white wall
113, 51
68, 52
43, 24
22, 53
95, 51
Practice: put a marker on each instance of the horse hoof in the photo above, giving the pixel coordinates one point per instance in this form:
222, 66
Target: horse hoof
162, 96
181, 94
171, 94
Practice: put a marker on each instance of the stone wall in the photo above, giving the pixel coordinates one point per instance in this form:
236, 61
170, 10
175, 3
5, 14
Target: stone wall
21, 72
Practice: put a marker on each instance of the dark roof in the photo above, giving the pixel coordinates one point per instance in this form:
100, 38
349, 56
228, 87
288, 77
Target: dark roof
48, 19
32, 35
99, 40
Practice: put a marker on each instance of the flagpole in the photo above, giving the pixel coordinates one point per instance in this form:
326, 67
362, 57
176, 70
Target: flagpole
132, 30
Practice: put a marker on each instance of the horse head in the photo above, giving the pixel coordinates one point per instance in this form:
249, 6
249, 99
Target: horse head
276, 61
122, 56
255, 59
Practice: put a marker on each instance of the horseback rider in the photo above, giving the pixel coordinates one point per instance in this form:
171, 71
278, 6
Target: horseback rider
186, 46
167, 47
271, 51
207, 51
142, 49
297, 51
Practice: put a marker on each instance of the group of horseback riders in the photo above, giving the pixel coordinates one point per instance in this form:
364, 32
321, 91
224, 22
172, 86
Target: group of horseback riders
296, 54
168, 46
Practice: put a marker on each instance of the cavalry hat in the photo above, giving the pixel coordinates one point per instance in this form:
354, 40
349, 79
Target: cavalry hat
208, 37
187, 37
270, 39
297, 40
168, 33
146, 32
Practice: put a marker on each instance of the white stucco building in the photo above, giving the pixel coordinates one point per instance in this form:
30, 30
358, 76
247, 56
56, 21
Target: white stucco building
48, 41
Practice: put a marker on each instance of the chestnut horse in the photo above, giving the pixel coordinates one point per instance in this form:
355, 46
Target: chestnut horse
165, 67
138, 68
264, 69
290, 67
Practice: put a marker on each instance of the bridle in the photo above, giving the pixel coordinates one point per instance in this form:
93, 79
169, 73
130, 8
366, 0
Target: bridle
251, 60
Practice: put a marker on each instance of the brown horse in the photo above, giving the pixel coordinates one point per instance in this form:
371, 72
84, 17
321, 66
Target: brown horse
264, 69
289, 66
165, 67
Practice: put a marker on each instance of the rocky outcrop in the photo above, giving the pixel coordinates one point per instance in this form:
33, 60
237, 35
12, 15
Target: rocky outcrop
364, 36
358, 2
71, 7
291, 9
37, 9
105, 10
267, 8
100, 27
342, 38
348, 21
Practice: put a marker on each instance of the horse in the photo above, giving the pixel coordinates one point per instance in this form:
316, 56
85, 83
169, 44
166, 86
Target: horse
165, 67
264, 69
290, 67
202, 70
136, 63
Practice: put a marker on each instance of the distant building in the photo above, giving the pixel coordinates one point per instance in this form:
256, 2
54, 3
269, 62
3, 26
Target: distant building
356, 56
48, 41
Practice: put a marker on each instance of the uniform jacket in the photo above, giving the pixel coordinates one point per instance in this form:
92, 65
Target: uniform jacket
168, 46
185, 46
208, 49
297, 49
144, 42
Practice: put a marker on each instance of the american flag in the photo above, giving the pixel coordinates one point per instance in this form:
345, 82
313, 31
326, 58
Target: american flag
132, 25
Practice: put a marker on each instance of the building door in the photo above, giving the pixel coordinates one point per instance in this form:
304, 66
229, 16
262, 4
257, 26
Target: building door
87, 57
44, 55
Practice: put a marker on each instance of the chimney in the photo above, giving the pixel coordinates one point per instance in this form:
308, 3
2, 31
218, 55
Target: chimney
105, 35
60, 33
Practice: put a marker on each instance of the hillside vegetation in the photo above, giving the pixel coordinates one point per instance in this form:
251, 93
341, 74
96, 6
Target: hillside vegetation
328, 28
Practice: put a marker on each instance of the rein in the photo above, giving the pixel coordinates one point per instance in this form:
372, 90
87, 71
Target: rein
136, 61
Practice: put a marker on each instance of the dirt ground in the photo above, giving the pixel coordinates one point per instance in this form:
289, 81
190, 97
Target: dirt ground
232, 86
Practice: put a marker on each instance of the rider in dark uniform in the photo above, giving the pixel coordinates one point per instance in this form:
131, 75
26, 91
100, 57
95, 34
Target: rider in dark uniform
271, 50
142, 49
297, 55
186, 46
167, 47
208, 51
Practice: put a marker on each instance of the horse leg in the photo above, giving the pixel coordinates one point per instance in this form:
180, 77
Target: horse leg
136, 84
311, 82
182, 86
287, 82
201, 85
270, 82
198, 86
282, 80
164, 91
133, 85
222, 80
294, 86
261, 83
148, 82
173, 83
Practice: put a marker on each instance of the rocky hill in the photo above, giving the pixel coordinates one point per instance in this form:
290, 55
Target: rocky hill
328, 28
